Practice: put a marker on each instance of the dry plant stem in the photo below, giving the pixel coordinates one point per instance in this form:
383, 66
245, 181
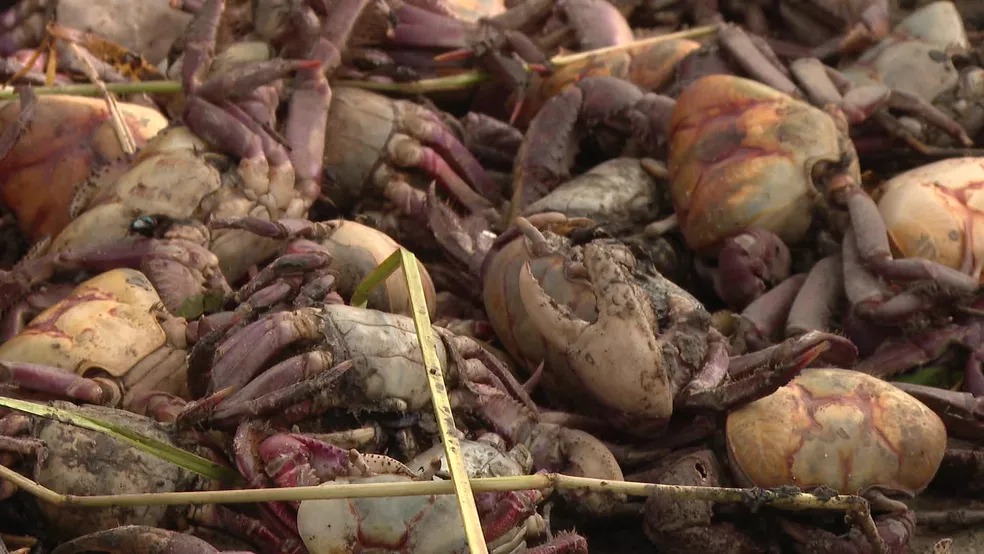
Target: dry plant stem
123, 135
637, 45
423, 86
467, 79
783, 499
950, 518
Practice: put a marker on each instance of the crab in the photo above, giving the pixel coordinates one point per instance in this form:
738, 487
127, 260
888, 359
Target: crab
172, 254
574, 316
72, 460
812, 169
374, 138
108, 342
544, 163
939, 88
65, 139
292, 459
930, 213
889, 445
355, 250
180, 175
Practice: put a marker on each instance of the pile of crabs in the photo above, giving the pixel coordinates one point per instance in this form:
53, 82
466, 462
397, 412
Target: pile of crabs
744, 255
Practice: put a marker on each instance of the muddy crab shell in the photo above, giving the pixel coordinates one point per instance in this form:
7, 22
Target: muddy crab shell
840, 428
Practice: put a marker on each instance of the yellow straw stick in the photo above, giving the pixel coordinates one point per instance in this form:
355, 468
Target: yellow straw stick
435, 379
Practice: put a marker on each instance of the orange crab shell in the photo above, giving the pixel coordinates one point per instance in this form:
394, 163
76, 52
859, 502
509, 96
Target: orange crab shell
840, 428
108, 322
68, 139
936, 212
742, 155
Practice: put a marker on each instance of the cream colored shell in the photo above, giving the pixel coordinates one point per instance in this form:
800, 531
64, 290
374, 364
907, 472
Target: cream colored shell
107, 322
840, 428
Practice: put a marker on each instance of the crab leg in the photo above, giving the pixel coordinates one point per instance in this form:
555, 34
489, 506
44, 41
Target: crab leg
812, 309
289, 382
199, 44
762, 320
407, 152
871, 238
12, 425
894, 357
419, 27
246, 445
776, 365
239, 358
53, 380
430, 130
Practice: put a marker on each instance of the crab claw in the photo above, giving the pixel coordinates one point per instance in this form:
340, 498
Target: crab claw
137, 539
465, 239
624, 336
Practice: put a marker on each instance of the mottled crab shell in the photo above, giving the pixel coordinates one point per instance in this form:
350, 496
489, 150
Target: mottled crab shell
936, 212
396, 524
481, 460
83, 462
840, 428
742, 155
107, 322
912, 48
69, 138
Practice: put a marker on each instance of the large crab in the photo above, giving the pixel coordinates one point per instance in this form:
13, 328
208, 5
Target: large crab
810, 169
172, 176
375, 139
577, 309
907, 63
887, 444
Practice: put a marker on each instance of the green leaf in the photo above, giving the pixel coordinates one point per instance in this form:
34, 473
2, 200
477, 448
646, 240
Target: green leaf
163, 450
931, 376
360, 298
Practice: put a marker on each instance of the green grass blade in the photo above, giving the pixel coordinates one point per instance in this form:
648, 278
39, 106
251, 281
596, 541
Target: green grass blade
163, 450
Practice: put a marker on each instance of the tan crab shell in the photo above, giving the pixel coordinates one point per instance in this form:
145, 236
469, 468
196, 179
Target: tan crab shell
68, 138
840, 428
936, 212
177, 176
107, 322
